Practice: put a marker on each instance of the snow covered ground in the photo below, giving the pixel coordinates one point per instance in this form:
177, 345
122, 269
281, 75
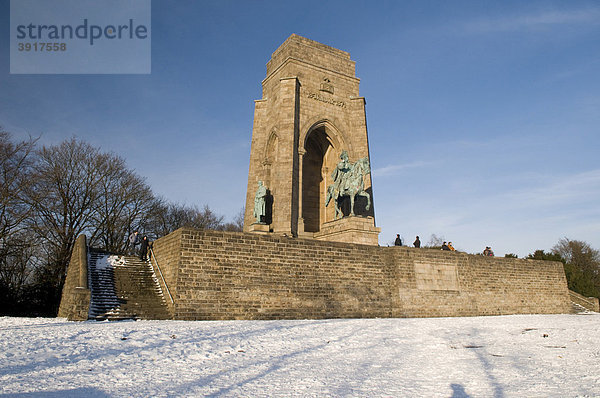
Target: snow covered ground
508, 356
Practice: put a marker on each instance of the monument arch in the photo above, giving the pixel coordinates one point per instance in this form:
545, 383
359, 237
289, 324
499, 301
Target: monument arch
315, 163
333, 127
321, 145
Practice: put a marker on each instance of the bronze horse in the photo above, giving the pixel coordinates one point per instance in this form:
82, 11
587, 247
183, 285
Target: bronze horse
351, 185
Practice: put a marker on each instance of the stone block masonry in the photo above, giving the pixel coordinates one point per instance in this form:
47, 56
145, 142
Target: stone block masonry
75, 299
217, 275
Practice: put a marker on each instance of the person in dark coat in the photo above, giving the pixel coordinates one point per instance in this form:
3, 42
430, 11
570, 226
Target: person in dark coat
398, 241
144, 248
417, 242
445, 246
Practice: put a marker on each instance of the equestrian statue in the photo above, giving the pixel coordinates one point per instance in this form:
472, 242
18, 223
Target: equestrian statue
348, 181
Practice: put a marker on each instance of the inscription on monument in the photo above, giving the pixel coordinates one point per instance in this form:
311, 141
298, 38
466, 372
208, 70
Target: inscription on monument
322, 98
436, 276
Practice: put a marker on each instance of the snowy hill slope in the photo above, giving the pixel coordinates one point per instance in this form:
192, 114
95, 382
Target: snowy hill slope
509, 356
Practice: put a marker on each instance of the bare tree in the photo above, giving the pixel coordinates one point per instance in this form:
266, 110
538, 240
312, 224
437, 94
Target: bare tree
156, 222
582, 265
237, 225
16, 249
66, 186
435, 241
168, 217
124, 201
205, 218
15, 171
17, 267
578, 253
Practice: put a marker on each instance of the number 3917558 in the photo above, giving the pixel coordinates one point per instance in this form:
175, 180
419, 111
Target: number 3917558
42, 46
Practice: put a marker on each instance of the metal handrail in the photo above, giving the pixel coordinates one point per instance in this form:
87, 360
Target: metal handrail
161, 275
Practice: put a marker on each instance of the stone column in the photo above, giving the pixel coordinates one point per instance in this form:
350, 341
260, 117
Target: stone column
324, 175
301, 233
285, 204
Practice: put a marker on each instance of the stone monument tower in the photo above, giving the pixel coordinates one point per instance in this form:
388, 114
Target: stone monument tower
309, 125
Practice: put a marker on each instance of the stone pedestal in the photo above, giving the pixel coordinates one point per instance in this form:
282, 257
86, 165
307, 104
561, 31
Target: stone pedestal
350, 229
260, 228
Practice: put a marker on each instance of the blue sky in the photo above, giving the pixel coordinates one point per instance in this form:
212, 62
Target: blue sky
483, 117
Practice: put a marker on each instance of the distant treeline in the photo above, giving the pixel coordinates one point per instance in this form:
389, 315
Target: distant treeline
581, 262
49, 195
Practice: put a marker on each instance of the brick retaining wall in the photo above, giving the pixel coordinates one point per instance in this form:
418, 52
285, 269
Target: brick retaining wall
167, 253
230, 275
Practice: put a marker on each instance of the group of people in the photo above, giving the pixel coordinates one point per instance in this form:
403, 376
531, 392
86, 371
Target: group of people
134, 240
398, 241
445, 246
448, 246
488, 251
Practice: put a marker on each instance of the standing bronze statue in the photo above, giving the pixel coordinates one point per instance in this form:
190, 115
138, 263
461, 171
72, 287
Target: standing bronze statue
260, 203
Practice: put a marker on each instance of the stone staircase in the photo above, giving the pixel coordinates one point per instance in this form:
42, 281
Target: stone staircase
583, 305
123, 287
579, 309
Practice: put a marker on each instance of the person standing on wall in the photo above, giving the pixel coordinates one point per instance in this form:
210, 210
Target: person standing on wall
417, 242
398, 241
